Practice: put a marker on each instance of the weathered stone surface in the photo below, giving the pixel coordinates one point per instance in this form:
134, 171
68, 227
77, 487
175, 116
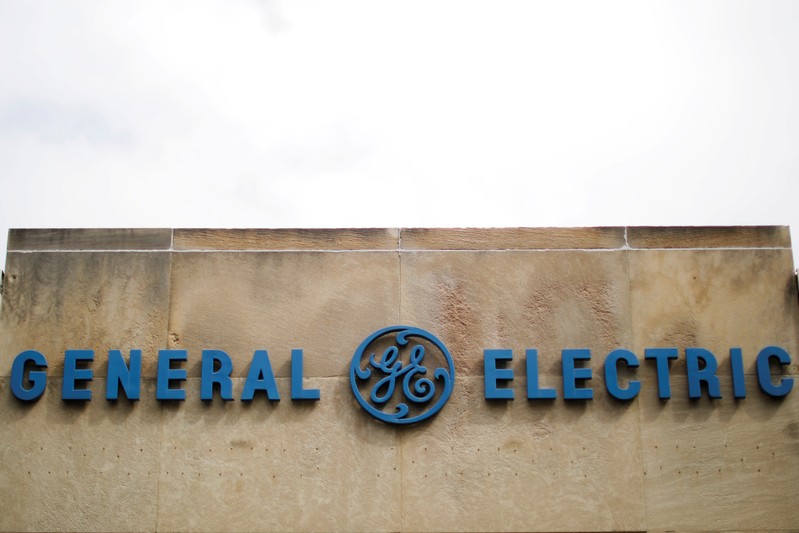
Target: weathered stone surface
477, 465
285, 466
84, 300
709, 237
287, 239
518, 300
523, 466
715, 299
722, 465
78, 466
510, 238
89, 239
324, 303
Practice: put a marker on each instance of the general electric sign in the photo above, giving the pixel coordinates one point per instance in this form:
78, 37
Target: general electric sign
404, 375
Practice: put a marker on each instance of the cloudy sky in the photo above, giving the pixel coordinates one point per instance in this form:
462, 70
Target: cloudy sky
311, 113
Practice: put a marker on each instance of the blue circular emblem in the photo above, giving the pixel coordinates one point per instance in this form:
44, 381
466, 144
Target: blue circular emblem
389, 374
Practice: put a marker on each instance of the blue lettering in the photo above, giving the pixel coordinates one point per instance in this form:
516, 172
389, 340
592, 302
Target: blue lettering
120, 374
706, 374
493, 374
764, 371
297, 391
260, 377
167, 374
737, 368
209, 376
571, 374
533, 391
73, 374
662, 356
37, 378
612, 376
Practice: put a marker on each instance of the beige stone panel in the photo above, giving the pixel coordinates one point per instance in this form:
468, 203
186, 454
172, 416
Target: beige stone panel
524, 465
84, 300
324, 303
510, 238
715, 299
721, 465
518, 300
282, 466
89, 239
709, 237
78, 466
287, 239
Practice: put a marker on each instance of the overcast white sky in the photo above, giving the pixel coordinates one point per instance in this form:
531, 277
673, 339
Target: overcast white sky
247, 113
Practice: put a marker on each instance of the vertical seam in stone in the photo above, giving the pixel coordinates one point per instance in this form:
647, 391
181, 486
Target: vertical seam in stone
638, 399
161, 408
158, 463
643, 464
399, 288
400, 445
399, 440
626, 242
399, 285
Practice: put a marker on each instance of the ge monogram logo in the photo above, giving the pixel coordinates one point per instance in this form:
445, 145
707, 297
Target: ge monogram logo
389, 374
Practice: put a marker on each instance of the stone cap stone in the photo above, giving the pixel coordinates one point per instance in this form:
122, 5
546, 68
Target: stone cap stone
286, 239
709, 237
89, 239
598, 238
511, 238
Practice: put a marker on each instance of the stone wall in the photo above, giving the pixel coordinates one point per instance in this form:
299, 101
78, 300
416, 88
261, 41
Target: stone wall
479, 465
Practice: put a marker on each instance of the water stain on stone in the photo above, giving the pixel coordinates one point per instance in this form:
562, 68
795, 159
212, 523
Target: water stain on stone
682, 333
460, 323
593, 306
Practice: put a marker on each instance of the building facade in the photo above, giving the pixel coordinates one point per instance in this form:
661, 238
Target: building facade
583, 379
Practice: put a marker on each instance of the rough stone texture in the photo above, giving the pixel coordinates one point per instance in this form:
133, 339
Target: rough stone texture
524, 466
715, 299
510, 238
84, 300
324, 303
286, 239
518, 300
89, 239
72, 466
721, 465
284, 466
709, 237
479, 465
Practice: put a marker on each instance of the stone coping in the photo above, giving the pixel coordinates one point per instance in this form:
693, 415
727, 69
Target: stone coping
89, 239
598, 238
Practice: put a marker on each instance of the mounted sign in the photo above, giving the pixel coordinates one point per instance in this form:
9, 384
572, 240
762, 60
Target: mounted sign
420, 392
396, 386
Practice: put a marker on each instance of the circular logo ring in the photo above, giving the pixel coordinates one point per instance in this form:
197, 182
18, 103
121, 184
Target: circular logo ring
414, 387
